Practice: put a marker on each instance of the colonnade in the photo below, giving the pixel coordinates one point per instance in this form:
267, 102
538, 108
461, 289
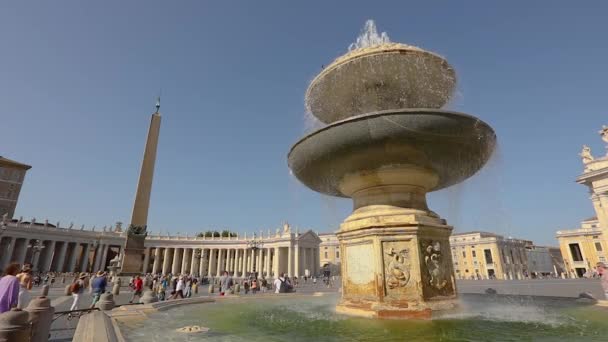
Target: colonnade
53, 255
237, 261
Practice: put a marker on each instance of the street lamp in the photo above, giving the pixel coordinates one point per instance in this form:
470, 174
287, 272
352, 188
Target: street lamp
36, 247
255, 244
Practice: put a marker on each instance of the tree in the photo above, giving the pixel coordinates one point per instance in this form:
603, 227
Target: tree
215, 233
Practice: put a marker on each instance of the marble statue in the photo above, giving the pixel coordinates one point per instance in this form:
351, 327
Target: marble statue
5, 219
71, 225
286, 228
118, 227
586, 154
604, 133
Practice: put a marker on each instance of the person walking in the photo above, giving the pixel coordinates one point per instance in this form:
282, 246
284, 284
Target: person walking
25, 285
77, 289
603, 274
264, 284
254, 286
279, 284
98, 286
225, 284
179, 288
9, 288
188, 289
138, 286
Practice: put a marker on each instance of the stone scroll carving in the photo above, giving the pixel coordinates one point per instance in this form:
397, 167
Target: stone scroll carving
397, 269
436, 269
137, 230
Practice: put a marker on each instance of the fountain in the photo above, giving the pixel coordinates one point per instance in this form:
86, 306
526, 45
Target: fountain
386, 144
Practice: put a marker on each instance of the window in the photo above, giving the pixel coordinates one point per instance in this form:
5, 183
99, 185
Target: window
455, 262
598, 246
464, 254
337, 254
602, 259
575, 251
453, 247
595, 236
488, 255
326, 254
475, 262
466, 271
325, 247
474, 254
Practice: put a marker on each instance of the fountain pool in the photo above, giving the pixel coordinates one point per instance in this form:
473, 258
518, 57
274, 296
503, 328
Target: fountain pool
308, 318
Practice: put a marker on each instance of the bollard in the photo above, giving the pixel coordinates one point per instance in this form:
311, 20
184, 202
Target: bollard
14, 326
68, 290
116, 287
237, 288
41, 317
45, 291
148, 297
106, 302
211, 288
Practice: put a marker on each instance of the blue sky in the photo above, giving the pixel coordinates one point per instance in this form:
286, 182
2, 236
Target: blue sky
78, 81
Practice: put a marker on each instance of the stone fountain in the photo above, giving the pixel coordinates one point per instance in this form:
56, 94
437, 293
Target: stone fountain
385, 144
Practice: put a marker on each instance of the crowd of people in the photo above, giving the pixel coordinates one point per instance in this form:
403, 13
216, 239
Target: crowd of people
18, 281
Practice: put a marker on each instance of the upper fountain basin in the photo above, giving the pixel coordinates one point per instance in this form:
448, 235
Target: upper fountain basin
388, 76
452, 145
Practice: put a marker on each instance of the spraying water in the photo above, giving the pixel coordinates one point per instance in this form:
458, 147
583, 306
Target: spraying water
369, 37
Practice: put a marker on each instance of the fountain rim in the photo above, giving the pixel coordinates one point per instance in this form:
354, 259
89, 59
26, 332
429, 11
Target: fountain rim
385, 112
386, 48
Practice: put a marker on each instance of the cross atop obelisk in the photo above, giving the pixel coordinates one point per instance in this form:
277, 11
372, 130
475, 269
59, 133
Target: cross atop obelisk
136, 233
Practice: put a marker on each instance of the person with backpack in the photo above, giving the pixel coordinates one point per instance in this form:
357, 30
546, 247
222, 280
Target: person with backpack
280, 284
98, 287
77, 289
264, 284
138, 286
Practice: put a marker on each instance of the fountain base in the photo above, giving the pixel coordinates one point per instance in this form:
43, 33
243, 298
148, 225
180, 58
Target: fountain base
396, 263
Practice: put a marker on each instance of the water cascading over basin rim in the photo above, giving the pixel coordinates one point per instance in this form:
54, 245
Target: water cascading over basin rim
380, 77
454, 145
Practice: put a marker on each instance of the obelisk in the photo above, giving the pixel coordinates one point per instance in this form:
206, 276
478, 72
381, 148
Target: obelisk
132, 262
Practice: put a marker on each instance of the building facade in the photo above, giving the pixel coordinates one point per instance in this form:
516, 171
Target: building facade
12, 174
484, 255
584, 247
329, 253
53, 248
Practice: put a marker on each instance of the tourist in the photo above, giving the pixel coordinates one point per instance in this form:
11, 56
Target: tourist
162, 288
179, 289
98, 286
9, 288
138, 286
225, 283
246, 286
603, 274
25, 285
77, 288
314, 280
264, 284
254, 286
188, 289
280, 284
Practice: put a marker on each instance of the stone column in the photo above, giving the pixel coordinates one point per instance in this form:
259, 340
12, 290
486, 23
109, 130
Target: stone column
21, 250
259, 261
36, 257
252, 260
220, 261
144, 269
228, 260
296, 252
202, 264
104, 257
61, 257
210, 270
275, 262
166, 261
156, 266
97, 258
236, 263
48, 258
194, 261
290, 261
85, 258
73, 258
267, 263
317, 265
185, 260
176, 259
6, 258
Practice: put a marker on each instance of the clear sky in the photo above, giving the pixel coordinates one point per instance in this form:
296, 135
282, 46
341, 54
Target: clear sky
78, 81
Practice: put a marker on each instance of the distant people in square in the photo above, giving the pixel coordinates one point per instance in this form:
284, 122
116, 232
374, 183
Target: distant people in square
264, 283
25, 285
225, 283
254, 286
281, 285
98, 286
138, 287
179, 288
9, 288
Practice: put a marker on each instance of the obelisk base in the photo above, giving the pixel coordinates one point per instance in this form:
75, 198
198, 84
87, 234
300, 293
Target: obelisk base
396, 264
133, 258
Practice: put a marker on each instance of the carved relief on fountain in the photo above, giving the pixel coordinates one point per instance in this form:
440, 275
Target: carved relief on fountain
397, 266
437, 272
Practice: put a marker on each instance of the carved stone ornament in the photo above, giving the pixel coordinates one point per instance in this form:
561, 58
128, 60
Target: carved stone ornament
137, 230
397, 269
586, 154
437, 271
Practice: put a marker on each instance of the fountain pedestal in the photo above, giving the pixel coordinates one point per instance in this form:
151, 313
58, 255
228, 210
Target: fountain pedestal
396, 259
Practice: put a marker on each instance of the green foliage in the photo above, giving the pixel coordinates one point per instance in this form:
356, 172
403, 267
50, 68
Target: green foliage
215, 233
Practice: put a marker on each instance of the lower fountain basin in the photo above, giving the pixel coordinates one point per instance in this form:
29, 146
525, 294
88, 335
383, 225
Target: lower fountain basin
306, 318
451, 145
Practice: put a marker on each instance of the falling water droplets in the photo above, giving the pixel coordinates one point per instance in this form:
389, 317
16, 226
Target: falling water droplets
369, 37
